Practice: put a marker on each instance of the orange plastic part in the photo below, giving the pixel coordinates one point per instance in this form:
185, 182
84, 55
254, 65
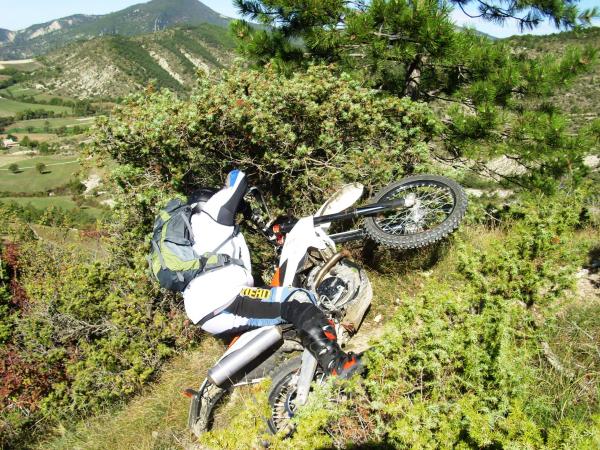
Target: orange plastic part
275, 281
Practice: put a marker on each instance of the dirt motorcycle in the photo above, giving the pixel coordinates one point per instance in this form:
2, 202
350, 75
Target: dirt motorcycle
411, 213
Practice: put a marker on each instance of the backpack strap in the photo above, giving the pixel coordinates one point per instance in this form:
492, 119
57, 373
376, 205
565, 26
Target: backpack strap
211, 261
160, 256
188, 225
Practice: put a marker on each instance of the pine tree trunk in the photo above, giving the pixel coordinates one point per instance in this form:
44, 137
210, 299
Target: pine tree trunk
413, 78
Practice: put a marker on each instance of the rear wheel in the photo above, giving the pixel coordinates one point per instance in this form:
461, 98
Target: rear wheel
435, 206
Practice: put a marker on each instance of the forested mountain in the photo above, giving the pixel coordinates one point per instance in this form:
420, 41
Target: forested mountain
137, 19
113, 66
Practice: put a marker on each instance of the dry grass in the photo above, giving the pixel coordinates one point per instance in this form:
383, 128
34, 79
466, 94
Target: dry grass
40, 137
69, 236
157, 419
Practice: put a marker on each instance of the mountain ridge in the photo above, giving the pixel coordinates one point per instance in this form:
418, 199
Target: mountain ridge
115, 65
138, 19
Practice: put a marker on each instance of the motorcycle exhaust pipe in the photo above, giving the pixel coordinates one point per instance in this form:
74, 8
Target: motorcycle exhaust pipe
231, 364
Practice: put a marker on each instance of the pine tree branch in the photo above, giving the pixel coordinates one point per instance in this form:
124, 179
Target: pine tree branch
395, 37
466, 13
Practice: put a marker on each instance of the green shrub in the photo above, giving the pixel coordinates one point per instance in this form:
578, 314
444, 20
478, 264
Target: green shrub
462, 363
299, 138
92, 334
13, 168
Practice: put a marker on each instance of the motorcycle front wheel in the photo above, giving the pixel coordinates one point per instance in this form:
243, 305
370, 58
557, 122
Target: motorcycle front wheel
435, 206
282, 396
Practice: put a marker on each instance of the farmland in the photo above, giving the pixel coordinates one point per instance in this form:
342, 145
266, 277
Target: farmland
25, 65
41, 125
23, 90
50, 129
59, 171
10, 107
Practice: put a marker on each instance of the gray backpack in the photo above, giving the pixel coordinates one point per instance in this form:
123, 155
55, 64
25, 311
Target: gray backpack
172, 258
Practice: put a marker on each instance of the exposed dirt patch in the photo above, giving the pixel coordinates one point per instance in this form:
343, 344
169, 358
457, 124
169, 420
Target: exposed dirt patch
92, 183
162, 62
588, 283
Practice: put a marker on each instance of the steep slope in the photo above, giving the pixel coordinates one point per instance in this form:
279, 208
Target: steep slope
6, 36
580, 99
113, 66
138, 19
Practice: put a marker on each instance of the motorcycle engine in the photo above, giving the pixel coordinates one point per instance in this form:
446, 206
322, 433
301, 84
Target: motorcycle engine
338, 288
332, 289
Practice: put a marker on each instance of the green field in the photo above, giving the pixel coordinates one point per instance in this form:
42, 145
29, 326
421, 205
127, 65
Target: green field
39, 124
64, 202
11, 107
58, 172
19, 90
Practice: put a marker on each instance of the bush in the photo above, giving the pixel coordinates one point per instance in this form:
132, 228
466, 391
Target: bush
90, 334
40, 167
462, 364
75, 186
25, 141
299, 138
13, 168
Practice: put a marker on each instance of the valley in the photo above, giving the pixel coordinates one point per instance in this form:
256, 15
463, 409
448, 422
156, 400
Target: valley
49, 103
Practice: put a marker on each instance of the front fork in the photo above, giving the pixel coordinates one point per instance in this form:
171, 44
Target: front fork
307, 374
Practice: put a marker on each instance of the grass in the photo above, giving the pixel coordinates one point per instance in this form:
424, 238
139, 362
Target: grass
156, 419
58, 201
40, 137
11, 107
17, 91
26, 162
59, 171
70, 236
39, 125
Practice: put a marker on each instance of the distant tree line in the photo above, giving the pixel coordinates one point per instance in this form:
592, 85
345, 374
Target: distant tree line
5, 121
30, 114
15, 76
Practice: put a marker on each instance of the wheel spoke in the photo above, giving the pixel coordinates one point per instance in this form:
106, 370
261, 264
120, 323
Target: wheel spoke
433, 204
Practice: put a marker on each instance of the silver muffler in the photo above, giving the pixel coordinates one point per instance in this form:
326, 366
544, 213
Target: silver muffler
235, 361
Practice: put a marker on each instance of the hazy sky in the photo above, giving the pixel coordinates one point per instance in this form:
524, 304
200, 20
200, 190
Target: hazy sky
19, 14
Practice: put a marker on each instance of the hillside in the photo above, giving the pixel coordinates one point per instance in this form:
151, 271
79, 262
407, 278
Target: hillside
114, 66
581, 98
488, 339
137, 19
